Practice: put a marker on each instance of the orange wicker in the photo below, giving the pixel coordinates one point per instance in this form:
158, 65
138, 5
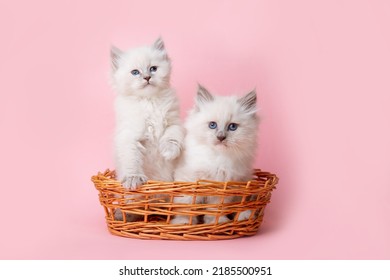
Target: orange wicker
153, 204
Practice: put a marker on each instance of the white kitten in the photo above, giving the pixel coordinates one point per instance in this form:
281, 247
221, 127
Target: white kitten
220, 145
148, 135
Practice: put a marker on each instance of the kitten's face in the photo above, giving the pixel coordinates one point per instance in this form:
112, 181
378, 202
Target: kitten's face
143, 71
224, 123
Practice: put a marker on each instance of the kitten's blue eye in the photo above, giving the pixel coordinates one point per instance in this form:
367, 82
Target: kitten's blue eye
213, 125
153, 69
134, 72
232, 126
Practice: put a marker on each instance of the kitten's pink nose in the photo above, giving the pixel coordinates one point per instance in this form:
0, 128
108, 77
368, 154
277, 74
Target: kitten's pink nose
221, 137
147, 78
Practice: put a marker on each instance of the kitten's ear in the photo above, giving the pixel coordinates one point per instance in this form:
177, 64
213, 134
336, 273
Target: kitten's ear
248, 102
203, 96
115, 55
159, 44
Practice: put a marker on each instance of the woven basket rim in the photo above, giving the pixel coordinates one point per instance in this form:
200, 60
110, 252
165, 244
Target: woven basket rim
261, 179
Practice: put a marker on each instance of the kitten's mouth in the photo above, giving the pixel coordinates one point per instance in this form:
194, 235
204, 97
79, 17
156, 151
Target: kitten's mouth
222, 144
148, 84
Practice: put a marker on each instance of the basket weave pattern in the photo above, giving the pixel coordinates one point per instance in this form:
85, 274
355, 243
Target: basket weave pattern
153, 204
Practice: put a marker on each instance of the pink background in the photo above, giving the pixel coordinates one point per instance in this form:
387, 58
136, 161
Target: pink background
322, 71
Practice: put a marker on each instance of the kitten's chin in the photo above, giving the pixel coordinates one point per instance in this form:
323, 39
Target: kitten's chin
148, 90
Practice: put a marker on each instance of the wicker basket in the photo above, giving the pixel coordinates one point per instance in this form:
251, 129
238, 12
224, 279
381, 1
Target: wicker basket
153, 204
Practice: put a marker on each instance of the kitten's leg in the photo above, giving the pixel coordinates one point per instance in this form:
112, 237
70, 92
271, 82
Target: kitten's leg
245, 215
118, 216
171, 143
211, 219
184, 219
129, 162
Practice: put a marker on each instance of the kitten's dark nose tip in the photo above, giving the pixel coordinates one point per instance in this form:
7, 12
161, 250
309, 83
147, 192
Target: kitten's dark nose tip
221, 137
147, 78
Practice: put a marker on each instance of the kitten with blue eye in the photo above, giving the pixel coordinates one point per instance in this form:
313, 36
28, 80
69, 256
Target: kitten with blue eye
219, 145
148, 134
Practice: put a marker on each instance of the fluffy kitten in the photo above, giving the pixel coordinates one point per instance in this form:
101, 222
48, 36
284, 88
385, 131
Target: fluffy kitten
220, 145
148, 135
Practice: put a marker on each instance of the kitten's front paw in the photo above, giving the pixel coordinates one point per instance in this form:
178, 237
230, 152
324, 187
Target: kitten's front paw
133, 181
170, 149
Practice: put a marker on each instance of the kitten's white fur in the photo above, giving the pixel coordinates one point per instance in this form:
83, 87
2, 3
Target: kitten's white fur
207, 157
148, 134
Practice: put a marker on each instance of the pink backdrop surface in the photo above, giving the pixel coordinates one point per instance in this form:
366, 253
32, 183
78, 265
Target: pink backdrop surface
322, 72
